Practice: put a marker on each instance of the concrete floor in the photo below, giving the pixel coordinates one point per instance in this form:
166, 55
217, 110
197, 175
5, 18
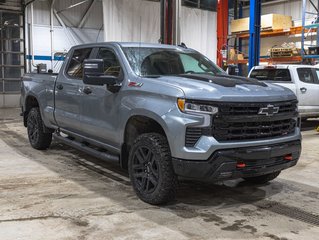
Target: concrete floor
64, 194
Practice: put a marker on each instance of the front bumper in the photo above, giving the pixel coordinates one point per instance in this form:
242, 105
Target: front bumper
228, 163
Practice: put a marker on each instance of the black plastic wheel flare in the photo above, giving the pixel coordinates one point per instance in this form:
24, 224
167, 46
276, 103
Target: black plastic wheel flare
145, 169
33, 129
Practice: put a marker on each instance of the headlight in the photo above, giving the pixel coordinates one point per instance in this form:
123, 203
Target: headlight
189, 107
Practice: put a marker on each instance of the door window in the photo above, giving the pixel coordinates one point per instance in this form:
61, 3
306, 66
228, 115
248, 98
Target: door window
75, 69
111, 64
306, 75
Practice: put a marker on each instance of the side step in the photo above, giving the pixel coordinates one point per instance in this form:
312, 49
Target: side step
84, 148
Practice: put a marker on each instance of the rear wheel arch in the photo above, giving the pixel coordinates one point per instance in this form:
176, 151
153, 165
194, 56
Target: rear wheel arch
135, 126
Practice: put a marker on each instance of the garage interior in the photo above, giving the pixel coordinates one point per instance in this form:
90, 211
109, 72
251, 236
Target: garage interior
62, 193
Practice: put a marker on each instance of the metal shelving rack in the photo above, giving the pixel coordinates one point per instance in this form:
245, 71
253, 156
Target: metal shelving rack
304, 30
309, 28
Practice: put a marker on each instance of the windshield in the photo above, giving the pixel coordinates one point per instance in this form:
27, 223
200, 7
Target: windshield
156, 62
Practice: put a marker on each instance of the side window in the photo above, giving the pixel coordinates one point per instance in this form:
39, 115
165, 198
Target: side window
75, 69
306, 75
111, 63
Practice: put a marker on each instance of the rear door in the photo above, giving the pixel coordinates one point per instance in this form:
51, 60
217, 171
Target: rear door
100, 107
308, 90
68, 95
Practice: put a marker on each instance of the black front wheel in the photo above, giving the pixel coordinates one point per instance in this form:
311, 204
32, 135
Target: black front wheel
151, 170
263, 178
38, 138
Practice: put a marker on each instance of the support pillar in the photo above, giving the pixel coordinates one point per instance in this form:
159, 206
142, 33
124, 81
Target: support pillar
222, 29
254, 33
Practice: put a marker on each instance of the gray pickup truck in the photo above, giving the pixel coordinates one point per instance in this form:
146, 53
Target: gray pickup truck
161, 112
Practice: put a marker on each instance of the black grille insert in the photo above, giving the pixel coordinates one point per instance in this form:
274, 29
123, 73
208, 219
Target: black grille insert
241, 121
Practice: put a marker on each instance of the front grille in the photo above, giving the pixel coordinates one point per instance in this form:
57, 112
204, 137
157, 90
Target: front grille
226, 131
241, 121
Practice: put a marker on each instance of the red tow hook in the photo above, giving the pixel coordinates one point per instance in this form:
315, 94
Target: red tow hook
288, 157
241, 165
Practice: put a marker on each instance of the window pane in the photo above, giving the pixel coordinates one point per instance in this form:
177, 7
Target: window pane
12, 86
11, 32
12, 45
111, 64
11, 19
1, 86
13, 72
76, 64
210, 5
12, 59
305, 75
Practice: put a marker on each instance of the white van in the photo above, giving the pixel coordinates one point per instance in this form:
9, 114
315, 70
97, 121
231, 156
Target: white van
303, 80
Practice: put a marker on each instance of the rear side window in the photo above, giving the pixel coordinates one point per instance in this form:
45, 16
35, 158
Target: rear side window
279, 75
75, 69
306, 75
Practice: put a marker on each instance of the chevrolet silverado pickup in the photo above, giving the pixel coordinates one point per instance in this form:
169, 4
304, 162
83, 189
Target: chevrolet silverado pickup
162, 112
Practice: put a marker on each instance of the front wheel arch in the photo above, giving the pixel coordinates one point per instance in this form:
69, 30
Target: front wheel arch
136, 126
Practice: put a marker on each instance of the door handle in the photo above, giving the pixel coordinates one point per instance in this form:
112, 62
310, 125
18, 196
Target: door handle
87, 90
303, 89
59, 87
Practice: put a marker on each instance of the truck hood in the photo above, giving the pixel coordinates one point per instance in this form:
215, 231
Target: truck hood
228, 88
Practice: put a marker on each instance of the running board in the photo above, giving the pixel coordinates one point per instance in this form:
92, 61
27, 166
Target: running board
84, 148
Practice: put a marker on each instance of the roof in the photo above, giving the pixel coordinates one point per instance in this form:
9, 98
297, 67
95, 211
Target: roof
132, 44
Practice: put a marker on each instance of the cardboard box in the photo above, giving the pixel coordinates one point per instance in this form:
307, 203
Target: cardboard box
268, 22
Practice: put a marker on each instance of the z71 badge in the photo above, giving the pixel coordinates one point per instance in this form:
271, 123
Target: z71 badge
135, 84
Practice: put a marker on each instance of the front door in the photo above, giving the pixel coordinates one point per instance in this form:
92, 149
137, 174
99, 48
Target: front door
308, 90
100, 107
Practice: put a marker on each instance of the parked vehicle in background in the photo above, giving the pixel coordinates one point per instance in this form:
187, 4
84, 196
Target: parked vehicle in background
161, 112
303, 80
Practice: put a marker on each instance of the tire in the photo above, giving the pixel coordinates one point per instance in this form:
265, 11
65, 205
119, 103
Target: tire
263, 178
151, 169
38, 139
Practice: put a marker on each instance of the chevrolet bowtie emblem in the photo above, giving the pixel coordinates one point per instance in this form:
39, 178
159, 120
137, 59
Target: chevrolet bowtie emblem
270, 110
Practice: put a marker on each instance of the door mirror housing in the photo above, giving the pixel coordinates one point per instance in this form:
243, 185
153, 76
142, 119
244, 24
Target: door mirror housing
93, 73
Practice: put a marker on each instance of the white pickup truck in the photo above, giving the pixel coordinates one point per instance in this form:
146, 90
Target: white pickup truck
303, 80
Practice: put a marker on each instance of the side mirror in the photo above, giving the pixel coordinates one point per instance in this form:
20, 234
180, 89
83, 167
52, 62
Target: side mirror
93, 73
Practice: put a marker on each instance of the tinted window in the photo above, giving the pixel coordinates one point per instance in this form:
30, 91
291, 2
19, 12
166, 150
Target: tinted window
111, 64
306, 75
280, 75
75, 68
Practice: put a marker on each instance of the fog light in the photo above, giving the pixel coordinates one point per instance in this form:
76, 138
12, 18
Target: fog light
240, 165
288, 157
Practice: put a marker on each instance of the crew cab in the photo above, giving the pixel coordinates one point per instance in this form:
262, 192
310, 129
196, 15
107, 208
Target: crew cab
303, 80
161, 112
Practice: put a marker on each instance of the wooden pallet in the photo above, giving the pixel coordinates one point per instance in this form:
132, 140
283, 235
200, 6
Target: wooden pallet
281, 52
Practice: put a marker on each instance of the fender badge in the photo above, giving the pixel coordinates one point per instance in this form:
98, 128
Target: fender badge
135, 84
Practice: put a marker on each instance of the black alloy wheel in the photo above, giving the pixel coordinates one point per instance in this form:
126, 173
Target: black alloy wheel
151, 169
